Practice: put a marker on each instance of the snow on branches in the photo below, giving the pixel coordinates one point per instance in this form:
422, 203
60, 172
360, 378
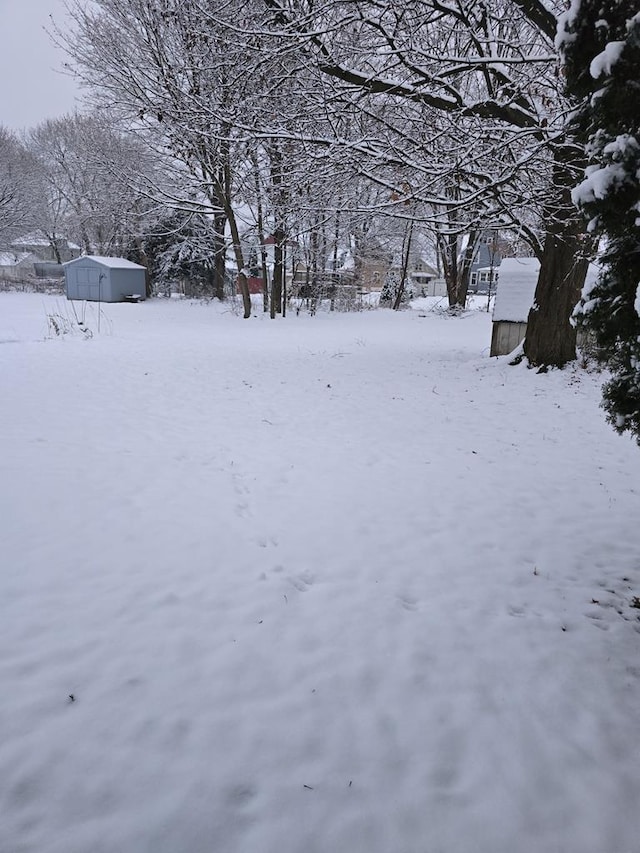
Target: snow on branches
601, 46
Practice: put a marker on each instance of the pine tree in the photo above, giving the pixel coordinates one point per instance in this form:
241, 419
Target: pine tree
180, 248
600, 40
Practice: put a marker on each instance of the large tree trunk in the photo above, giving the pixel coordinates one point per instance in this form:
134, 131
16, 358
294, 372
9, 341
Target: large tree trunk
219, 260
220, 273
551, 339
278, 272
405, 266
279, 232
260, 229
456, 264
243, 284
223, 191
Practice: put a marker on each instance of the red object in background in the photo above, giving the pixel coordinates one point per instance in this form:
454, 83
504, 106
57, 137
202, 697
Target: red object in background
254, 282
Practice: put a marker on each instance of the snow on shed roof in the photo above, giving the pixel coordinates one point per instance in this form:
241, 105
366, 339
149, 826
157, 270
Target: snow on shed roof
112, 263
516, 289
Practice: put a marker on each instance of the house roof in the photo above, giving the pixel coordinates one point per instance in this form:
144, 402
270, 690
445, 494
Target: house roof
427, 268
516, 289
112, 263
416, 259
35, 239
13, 259
30, 240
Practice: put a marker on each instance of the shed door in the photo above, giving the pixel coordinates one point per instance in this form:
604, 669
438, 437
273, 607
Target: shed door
89, 284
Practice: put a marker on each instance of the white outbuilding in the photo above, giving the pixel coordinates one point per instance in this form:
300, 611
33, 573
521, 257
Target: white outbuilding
514, 298
100, 279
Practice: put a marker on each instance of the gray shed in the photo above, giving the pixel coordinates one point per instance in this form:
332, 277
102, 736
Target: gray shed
514, 298
100, 279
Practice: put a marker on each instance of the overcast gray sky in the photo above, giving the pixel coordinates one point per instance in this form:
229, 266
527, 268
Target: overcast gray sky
31, 87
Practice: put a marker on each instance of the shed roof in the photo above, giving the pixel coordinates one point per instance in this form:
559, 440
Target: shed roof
516, 289
112, 263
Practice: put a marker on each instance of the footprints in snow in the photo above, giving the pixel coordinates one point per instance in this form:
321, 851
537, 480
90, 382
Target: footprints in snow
613, 600
240, 796
242, 492
300, 582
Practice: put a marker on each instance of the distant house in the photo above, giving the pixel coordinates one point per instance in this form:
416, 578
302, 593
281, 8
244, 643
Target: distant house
422, 278
484, 272
425, 277
514, 298
371, 269
253, 254
47, 249
100, 279
17, 266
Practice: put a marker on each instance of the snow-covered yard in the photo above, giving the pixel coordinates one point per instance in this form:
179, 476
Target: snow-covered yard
339, 584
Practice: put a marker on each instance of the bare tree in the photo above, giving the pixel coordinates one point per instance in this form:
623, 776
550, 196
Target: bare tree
174, 69
490, 70
90, 177
461, 101
18, 177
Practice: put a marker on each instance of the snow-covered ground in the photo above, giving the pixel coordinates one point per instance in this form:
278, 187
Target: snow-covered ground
339, 584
